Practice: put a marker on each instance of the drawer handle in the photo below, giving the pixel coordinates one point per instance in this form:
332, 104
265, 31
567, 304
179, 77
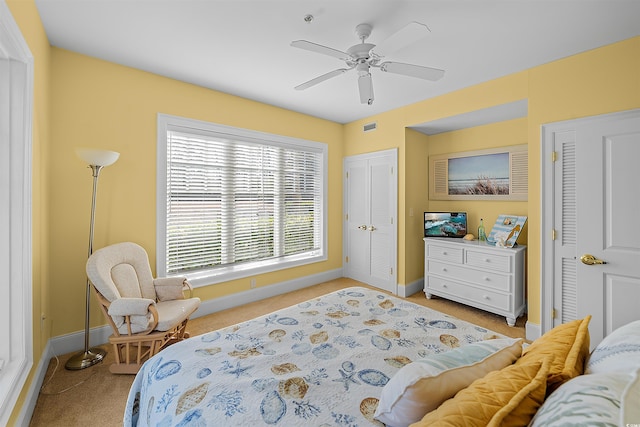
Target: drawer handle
444, 286
486, 279
444, 252
444, 269
487, 260
486, 297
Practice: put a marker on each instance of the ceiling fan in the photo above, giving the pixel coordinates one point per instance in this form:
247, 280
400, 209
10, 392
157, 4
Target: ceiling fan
364, 56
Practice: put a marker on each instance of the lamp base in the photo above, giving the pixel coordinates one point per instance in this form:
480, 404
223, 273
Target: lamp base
85, 359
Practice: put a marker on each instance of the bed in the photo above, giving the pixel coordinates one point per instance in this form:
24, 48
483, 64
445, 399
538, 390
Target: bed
322, 362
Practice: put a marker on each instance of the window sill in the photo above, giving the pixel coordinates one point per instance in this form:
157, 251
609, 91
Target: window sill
225, 274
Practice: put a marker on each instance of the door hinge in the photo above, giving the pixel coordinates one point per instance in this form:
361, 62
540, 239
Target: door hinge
554, 156
391, 219
346, 259
391, 271
553, 234
391, 170
346, 217
554, 313
347, 175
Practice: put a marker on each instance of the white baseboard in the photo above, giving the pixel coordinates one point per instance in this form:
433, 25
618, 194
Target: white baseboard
411, 288
75, 341
532, 331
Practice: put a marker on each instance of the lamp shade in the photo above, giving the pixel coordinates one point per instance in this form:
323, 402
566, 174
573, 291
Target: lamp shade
98, 157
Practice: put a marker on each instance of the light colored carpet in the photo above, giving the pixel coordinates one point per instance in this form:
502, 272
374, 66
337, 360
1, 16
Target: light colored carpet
95, 397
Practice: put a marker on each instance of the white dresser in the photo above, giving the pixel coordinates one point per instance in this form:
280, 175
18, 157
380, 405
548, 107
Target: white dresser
477, 274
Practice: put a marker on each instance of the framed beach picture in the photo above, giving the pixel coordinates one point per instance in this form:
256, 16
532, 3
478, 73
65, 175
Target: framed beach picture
506, 230
493, 174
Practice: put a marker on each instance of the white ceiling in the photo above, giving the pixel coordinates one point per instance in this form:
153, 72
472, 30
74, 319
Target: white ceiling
242, 47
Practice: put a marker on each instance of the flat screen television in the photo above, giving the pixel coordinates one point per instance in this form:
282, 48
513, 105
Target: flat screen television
445, 224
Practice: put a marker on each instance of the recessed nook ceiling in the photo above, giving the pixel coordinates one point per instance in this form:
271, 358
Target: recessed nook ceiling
498, 113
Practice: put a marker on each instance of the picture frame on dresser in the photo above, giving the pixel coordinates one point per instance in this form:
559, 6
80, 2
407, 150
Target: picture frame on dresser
506, 230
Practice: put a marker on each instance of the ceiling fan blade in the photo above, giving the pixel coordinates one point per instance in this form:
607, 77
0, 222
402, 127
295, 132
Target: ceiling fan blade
318, 48
365, 86
410, 70
410, 33
321, 78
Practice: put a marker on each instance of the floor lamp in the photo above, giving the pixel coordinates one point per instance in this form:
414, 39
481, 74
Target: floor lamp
97, 159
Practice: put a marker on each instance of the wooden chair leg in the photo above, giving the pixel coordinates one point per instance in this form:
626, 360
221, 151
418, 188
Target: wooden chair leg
130, 353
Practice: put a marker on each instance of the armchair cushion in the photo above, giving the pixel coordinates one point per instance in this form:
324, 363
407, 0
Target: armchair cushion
171, 313
169, 288
130, 306
138, 311
121, 270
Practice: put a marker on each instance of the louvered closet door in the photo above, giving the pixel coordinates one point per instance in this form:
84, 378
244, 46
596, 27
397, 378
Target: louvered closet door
597, 203
565, 274
370, 203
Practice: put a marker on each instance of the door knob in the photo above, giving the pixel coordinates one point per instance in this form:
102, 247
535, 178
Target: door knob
371, 228
590, 260
362, 227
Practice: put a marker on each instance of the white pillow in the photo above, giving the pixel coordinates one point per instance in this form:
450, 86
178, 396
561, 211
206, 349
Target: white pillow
630, 398
618, 351
421, 386
594, 399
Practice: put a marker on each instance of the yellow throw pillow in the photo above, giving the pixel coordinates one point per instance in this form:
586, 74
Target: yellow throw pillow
567, 346
509, 397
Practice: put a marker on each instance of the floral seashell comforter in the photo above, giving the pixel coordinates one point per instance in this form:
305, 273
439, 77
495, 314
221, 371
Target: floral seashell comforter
319, 363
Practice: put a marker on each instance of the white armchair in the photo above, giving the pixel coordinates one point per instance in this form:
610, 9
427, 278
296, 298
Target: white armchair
146, 314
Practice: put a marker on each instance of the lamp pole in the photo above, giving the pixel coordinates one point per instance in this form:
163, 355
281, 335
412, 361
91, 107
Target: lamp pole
90, 356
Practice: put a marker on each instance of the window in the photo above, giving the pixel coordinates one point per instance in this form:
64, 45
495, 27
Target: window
234, 203
16, 304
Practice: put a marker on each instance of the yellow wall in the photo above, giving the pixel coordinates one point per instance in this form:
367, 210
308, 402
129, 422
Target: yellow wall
416, 168
28, 20
104, 105
599, 81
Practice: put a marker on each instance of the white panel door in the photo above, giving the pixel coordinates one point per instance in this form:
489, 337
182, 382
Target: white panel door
596, 261
357, 246
370, 202
608, 200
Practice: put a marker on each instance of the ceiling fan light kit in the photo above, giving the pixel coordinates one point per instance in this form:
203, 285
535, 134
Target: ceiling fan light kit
364, 56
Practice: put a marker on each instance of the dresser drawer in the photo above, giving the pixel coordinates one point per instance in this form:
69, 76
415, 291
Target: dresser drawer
444, 253
491, 261
484, 297
486, 279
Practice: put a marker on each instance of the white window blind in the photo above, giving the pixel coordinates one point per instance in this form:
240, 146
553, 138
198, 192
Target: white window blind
235, 202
